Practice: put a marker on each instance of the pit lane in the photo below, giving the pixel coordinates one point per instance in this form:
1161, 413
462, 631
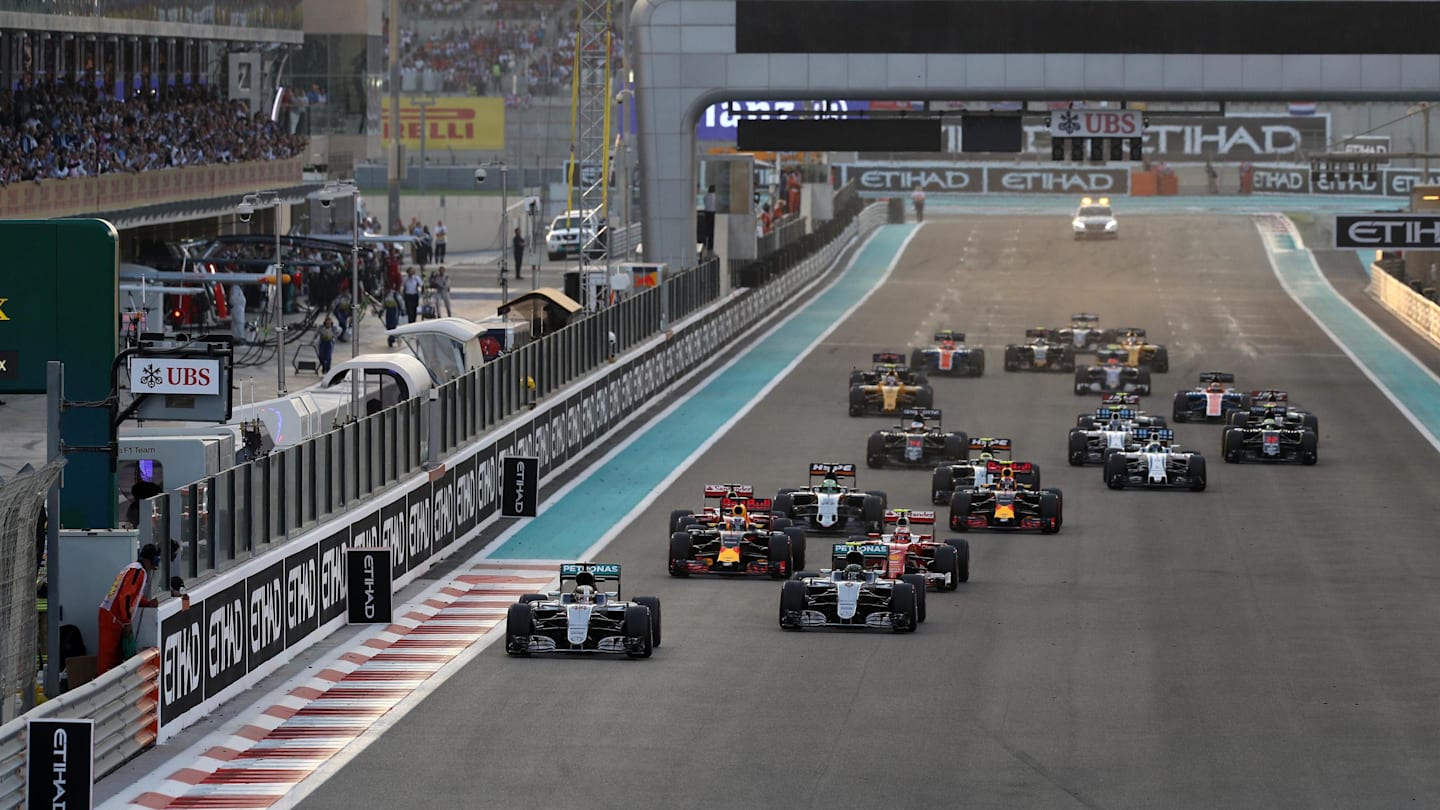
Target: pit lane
1269, 642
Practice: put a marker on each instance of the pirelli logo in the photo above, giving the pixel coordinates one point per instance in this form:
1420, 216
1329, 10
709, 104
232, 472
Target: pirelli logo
451, 123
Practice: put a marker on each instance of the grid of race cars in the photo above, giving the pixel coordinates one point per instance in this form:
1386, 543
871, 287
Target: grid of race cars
875, 561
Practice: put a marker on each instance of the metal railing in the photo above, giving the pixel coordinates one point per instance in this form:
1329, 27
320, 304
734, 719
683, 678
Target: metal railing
788, 230
124, 705
247, 509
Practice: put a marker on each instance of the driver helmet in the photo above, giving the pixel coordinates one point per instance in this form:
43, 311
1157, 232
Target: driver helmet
947, 343
1116, 424
1216, 387
584, 594
1270, 423
829, 485
854, 571
902, 534
1154, 447
917, 424
735, 523
891, 379
1007, 484
986, 456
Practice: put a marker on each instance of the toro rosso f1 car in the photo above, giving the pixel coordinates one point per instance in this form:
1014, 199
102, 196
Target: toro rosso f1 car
1211, 401
830, 507
1156, 464
904, 552
850, 597
582, 618
949, 356
888, 388
913, 443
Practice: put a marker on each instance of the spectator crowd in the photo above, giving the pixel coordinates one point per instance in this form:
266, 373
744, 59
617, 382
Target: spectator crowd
66, 130
512, 38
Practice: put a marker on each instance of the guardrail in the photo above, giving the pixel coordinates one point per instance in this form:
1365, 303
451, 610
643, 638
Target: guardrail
1417, 311
124, 703
247, 509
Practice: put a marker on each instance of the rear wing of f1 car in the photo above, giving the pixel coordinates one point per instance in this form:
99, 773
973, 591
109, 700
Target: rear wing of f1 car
1038, 332
1120, 398
949, 334
1107, 414
732, 491
888, 359
922, 413
840, 552
1269, 396
1166, 435
592, 574
1217, 376
825, 469
1084, 318
987, 445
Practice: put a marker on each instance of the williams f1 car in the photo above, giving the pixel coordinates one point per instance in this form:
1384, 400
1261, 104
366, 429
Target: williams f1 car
904, 552
1111, 404
949, 356
1111, 431
1157, 464
889, 387
1039, 352
1211, 401
582, 618
1111, 374
829, 507
1007, 505
850, 597
913, 443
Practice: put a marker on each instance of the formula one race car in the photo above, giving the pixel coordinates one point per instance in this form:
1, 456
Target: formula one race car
913, 443
1114, 403
742, 539
1112, 431
1007, 505
828, 507
581, 618
949, 356
1141, 352
975, 472
1094, 219
849, 597
1270, 440
1157, 464
903, 552
1274, 405
888, 387
1211, 401
1111, 374
1083, 333
1039, 352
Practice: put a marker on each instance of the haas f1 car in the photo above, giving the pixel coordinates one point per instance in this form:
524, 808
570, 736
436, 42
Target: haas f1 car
1214, 400
850, 597
830, 507
903, 552
889, 387
1007, 505
949, 356
1040, 352
582, 618
738, 537
1156, 464
913, 443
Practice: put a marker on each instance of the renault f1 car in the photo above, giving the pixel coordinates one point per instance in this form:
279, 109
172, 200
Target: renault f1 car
904, 551
1113, 403
849, 597
1140, 351
582, 618
949, 356
830, 507
1157, 464
1094, 219
889, 387
1211, 401
1111, 374
914, 443
738, 537
1270, 440
1274, 405
1007, 505
1039, 352
974, 472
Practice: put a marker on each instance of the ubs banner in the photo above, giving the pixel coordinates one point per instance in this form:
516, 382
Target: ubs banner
241, 623
895, 178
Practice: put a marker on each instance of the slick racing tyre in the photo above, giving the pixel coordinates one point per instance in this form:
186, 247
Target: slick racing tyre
797, 545
784, 505
1195, 472
1230, 445
1115, 471
904, 608
1049, 508
1181, 411
857, 401
917, 581
925, 397
917, 360
652, 602
875, 450
1309, 448
1079, 449
680, 548
792, 601
957, 447
872, 512
519, 626
977, 362
942, 484
1012, 359
960, 511
947, 561
1161, 362
781, 563
1067, 359
675, 516
639, 630
962, 557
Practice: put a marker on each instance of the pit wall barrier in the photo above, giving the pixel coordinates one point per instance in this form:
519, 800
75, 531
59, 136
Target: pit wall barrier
124, 703
1418, 312
241, 625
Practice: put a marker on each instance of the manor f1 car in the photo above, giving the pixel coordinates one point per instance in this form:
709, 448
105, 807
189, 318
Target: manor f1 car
904, 552
850, 597
1111, 374
949, 356
1039, 352
913, 443
888, 388
581, 618
1157, 464
1270, 440
827, 506
1211, 401
1007, 505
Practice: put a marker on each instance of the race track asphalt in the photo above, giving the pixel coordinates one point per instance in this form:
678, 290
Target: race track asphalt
1271, 642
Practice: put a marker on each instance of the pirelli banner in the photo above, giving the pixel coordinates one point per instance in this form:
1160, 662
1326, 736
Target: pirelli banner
242, 625
451, 122
891, 177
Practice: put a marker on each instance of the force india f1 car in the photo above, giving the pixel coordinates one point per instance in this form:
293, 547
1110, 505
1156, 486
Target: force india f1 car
1008, 505
949, 356
1111, 374
1039, 352
581, 618
828, 507
913, 443
904, 552
1270, 440
889, 387
1213, 400
738, 537
1157, 464
850, 597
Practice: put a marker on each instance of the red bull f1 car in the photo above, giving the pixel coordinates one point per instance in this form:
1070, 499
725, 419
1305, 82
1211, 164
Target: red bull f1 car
739, 536
1007, 505
975, 472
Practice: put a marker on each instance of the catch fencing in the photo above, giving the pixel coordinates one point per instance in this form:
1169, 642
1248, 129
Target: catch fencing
21, 498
